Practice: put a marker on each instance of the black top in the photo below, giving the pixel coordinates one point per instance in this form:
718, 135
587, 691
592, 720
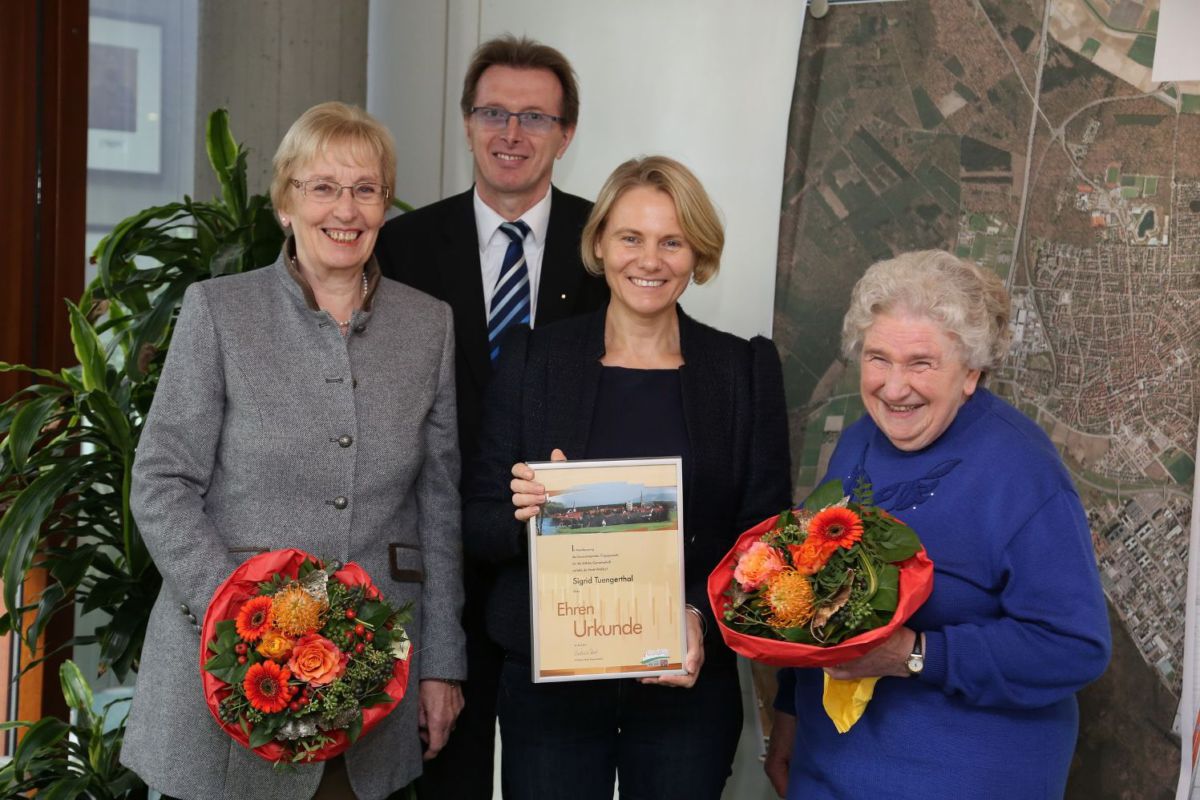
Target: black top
639, 414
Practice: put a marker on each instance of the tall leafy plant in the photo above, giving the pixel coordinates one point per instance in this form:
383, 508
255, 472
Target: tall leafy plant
69, 439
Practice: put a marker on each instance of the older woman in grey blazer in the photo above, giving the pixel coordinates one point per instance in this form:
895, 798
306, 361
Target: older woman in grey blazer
309, 404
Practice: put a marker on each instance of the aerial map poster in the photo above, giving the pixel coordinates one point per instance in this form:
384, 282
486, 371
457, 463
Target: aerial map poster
1027, 136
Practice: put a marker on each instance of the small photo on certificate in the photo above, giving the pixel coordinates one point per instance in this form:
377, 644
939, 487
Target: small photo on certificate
606, 570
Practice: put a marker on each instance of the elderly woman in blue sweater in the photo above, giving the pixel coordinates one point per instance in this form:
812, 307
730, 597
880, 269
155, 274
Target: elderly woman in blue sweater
979, 695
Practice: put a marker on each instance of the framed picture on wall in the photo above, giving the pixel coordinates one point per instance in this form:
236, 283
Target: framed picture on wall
124, 95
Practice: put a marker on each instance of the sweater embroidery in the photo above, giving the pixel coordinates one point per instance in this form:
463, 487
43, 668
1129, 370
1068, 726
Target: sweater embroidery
902, 494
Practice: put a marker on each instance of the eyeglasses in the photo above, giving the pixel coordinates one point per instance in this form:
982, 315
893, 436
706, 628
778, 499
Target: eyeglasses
323, 190
496, 119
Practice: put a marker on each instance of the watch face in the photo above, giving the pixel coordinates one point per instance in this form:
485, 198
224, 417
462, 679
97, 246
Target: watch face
915, 663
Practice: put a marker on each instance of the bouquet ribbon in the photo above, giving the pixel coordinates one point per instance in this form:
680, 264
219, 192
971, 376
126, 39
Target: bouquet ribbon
846, 701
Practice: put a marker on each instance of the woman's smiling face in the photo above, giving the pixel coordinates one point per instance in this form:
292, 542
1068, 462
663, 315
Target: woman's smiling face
647, 261
913, 379
340, 234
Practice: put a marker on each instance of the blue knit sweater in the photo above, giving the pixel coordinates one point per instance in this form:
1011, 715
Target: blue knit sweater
1015, 626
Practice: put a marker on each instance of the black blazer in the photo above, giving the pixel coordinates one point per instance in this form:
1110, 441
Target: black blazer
436, 249
543, 397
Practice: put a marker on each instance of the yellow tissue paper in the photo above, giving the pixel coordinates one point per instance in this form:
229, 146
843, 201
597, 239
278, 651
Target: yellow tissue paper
845, 701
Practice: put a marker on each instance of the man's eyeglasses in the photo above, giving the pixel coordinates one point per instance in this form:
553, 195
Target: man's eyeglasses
496, 119
323, 190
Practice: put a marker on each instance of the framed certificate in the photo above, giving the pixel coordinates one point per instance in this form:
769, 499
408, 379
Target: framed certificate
606, 570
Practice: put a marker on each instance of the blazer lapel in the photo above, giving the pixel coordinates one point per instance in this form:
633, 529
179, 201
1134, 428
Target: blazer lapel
706, 409
575, 374
458, 262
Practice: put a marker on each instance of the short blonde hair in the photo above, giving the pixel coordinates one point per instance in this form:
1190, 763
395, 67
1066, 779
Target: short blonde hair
328, 125
970, 303
701, 226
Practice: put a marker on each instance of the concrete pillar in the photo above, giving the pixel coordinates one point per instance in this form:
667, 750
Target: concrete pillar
267, 61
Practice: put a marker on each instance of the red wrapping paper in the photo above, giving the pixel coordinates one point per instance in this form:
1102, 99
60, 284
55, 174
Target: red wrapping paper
916, 582
242, 585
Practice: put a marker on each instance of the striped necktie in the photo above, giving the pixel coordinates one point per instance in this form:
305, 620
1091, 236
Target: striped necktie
510, 300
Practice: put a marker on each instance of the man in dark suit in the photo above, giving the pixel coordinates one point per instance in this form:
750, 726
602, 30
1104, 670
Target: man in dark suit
520, 104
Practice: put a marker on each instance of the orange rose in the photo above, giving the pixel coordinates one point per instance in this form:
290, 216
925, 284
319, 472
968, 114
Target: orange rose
809, 557
275, 646
316, 660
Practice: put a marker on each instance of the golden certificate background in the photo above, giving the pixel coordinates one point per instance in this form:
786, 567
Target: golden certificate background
608, 604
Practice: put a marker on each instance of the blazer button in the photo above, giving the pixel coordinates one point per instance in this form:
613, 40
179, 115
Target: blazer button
340, 502
345, 440
183, 609
360, 328
192, 618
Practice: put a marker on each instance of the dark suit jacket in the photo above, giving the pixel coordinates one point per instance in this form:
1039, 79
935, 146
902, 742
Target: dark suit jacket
436, 249
543, 397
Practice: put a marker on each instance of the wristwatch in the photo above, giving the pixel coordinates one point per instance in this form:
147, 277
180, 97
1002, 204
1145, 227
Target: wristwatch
916, 659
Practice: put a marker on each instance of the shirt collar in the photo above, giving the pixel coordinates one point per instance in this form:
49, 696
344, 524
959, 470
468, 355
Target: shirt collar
487, 221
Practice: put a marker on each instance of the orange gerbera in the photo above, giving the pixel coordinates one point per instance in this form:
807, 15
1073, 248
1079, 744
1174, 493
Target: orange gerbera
254, 618
810, 557
790, 597
835, 527
267, 688
297, 612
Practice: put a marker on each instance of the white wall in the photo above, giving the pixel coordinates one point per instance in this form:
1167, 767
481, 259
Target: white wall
706, 81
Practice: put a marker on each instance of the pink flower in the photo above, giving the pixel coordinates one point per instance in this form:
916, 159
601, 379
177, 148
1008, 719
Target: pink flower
756, 565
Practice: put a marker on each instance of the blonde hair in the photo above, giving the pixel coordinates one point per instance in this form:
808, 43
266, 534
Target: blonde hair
326, 125
970, 303
701, 226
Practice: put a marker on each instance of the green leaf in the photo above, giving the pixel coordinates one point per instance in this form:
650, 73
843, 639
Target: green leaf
375, 699
76, 690
354, 729
152, 328
888, 594
40, 740
88, 349
827, 494
260, 735
27, 426
890, 539
67, 788
219, 142
41, 373
50, 602
20, 527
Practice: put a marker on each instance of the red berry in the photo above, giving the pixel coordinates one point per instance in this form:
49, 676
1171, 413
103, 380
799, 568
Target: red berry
303, 701
349, 636
351, 613
370, 636
241, 659
358, 648
240, 648
294, 705
388, 625
359, 629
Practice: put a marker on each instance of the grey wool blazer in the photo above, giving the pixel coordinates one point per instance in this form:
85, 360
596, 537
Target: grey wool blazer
270, 430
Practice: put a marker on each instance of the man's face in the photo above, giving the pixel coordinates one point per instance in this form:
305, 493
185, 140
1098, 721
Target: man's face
512, 165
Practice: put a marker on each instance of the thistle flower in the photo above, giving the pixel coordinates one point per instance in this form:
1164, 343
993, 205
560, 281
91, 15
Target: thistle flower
789, 595
296, 612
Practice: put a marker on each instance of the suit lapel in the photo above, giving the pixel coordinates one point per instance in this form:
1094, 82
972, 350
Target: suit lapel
705, 409
561, 270
458, 263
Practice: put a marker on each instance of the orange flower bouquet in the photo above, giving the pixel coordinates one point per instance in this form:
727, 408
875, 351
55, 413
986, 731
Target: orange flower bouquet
820, 585
299, 658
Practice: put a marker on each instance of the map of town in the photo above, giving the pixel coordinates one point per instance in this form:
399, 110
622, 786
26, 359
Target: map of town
1029, 137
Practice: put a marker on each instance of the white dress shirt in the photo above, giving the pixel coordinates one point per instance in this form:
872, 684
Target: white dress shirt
493, 243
